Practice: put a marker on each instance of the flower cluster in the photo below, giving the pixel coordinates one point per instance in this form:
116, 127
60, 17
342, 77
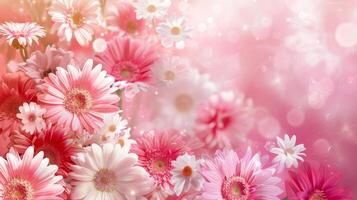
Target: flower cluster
105, 106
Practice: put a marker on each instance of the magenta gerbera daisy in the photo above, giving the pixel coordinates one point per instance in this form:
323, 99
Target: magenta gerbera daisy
315, 183
15, 89
156, 151
230, 178
78, 99
29, 177
128, 60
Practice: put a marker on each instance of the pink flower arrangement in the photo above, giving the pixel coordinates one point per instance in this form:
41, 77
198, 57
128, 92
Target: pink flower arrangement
168, 100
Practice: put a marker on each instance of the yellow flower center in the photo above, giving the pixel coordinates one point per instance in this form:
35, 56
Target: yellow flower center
184, 102
151, 8
175, 30
169, 75
112, 128
77, 18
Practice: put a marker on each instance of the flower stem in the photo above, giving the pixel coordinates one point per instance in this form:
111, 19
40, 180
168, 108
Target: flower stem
121, 96
23, 53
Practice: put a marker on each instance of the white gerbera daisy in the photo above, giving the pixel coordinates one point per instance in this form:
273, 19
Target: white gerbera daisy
173, 32
108, 172
288, 153
185, 174
31, 117
179, 102
149, 9
169, 70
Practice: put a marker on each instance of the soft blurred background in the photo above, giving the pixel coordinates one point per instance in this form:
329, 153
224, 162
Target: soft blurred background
295, 59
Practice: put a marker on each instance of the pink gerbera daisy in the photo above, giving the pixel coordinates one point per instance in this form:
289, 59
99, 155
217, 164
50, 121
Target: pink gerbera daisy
314, 183
231, 178
21, 35
15, 89
127, 20
29, 177
128, 60
76, 18
223, 117
54, 143
156, 151
78, 99
39, 65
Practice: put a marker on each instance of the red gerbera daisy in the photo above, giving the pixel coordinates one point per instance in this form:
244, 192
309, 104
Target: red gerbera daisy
156, 150
127, 20
54, 143
15, 89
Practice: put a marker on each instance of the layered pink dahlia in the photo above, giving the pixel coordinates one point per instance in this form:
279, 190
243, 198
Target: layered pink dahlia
128, 60
315, 183
156, 151
229, 177
223, 119
29, 177
39, 65
15, 89
78, 99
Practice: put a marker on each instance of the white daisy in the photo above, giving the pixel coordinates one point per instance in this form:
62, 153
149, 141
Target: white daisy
114, 131
169, 70
31, 117
113, 123
124, 140
173, 32
179, 102
108, 172
149, 9
288, 153
185, 174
